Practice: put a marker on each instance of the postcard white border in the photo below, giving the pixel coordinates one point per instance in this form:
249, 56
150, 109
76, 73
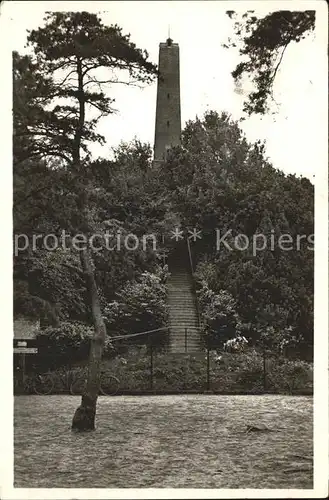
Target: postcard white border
320, 489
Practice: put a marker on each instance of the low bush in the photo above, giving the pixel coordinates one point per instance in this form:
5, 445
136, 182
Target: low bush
228, 373
289, 376
219, 315
140, 306
65, 345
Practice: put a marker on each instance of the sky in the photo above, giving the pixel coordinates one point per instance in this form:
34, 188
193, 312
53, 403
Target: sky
293, 135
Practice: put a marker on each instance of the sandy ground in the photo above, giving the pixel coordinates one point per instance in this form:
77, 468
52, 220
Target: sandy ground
189, 441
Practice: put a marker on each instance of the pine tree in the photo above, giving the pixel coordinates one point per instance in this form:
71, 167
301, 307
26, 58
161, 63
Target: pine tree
76, 59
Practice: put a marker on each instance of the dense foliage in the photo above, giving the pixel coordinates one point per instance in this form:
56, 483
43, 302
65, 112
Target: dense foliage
216, 181
140, 305
58, 102
227, 188
65, 345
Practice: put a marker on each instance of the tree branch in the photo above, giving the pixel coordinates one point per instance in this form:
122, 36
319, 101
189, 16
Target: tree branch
66, 77
73, 268
280, 60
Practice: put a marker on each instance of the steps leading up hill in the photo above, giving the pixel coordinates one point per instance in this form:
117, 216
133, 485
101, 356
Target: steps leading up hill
183, 316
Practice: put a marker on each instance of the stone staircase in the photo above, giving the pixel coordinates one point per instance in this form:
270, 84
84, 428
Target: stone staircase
183, 317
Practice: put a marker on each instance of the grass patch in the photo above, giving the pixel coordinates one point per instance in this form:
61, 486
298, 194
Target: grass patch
191, 441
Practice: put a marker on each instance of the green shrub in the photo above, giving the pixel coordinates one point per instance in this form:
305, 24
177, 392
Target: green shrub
219, 316
67, 344
140, 306
289, 376
248, 367
228, 372
245, 372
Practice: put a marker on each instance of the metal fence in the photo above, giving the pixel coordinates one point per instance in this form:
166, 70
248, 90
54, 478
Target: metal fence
148, 363
152, 369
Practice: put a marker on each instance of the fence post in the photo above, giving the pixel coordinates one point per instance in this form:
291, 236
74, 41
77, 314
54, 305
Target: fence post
151, 366
264, 370
185, 339
23, 369
208, 370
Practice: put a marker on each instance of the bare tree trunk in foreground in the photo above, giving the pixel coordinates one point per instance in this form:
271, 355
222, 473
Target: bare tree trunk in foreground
84, 417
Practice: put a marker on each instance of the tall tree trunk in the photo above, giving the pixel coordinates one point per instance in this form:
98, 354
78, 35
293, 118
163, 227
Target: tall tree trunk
84, 417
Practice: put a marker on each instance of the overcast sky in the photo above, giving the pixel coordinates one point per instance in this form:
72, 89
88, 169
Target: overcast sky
292, 136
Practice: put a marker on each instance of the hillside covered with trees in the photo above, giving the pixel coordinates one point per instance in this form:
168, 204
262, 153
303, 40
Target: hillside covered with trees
215, 181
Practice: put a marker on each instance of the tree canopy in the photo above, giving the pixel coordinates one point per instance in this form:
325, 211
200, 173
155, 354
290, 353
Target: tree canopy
262, 42
216, 180
60, 86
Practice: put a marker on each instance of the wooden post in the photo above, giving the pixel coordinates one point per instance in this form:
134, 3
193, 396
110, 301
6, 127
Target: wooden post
264, 370
185, 339
23, 369
208, 370
151, 366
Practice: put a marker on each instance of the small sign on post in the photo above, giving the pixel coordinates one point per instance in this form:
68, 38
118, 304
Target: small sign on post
25, 346
25, 350
21, 343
